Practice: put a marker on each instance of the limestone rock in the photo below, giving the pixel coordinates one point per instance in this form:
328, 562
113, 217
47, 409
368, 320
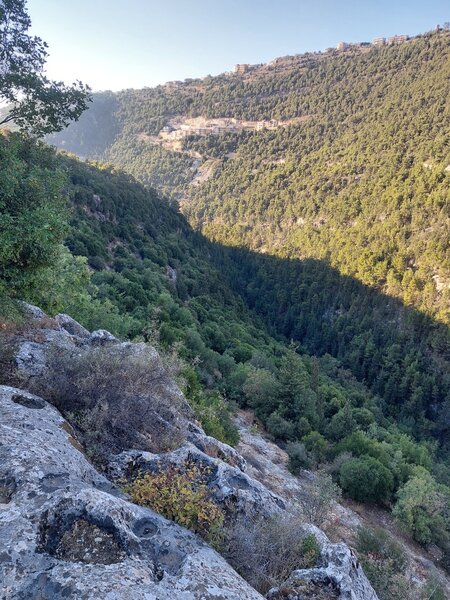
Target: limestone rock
101, 337
339, 571
71, 534
71, 326
156, 415
33, 311
214, 448
234, 490
339, 574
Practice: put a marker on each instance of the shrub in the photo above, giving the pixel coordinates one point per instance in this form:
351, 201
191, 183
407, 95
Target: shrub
215, 418
115, 398
384, 561
422, 509
182, 496
279, 427
316, 445
342, 423
298, 457
267, 550
10, 310
310, 551
388, 585
302, 427
214, 414
366, 480
363, 417
318, 498
378, 544
261, 391
433, 590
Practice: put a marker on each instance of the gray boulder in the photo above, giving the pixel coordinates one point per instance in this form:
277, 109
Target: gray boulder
33, 312
71, 326
101, 337
214, 448
67, 532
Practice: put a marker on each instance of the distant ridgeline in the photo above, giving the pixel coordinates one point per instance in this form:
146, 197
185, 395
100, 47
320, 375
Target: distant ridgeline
327, 176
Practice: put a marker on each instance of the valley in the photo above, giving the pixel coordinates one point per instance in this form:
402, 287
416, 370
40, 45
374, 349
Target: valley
229, 298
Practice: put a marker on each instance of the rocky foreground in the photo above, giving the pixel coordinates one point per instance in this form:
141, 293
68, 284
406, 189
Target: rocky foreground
67, 531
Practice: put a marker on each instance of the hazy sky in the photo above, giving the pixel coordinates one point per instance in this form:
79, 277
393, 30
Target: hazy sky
115, 44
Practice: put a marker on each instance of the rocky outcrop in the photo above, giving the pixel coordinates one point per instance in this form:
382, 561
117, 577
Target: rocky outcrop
67, 532
339, 570
153, 415
231, 488
72, 532
339, 574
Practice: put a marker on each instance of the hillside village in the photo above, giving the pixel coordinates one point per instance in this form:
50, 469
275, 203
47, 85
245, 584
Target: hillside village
179, 128
242, 69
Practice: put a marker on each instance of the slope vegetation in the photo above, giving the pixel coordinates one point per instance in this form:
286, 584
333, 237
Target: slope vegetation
346, 185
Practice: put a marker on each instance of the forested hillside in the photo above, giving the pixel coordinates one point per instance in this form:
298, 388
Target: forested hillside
351, 201
306, 277
156, 279
360, 182
322, 188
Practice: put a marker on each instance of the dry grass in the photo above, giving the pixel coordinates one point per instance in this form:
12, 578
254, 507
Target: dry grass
265, 551
115, 400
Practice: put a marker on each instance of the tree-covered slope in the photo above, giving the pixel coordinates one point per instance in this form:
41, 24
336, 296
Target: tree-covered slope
362, 181
154, 278
352, 201
327, 237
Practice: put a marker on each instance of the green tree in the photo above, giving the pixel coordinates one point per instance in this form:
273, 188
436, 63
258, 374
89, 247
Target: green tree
423, 509
279, 427
36, 103
33, 214
366, 480
298, 457
316, 445
342, 423
296, 398
261, 390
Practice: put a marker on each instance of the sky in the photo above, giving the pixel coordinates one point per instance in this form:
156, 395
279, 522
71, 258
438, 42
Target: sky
117, 44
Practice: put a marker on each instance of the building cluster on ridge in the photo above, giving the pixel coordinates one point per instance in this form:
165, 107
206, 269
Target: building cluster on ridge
378, 41
388, 41
243, 68
172, 131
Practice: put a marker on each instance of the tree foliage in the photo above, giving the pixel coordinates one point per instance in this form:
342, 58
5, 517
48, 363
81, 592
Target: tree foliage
337, 231
33, 214
35, 103
339, 221
423, 508
366, 480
